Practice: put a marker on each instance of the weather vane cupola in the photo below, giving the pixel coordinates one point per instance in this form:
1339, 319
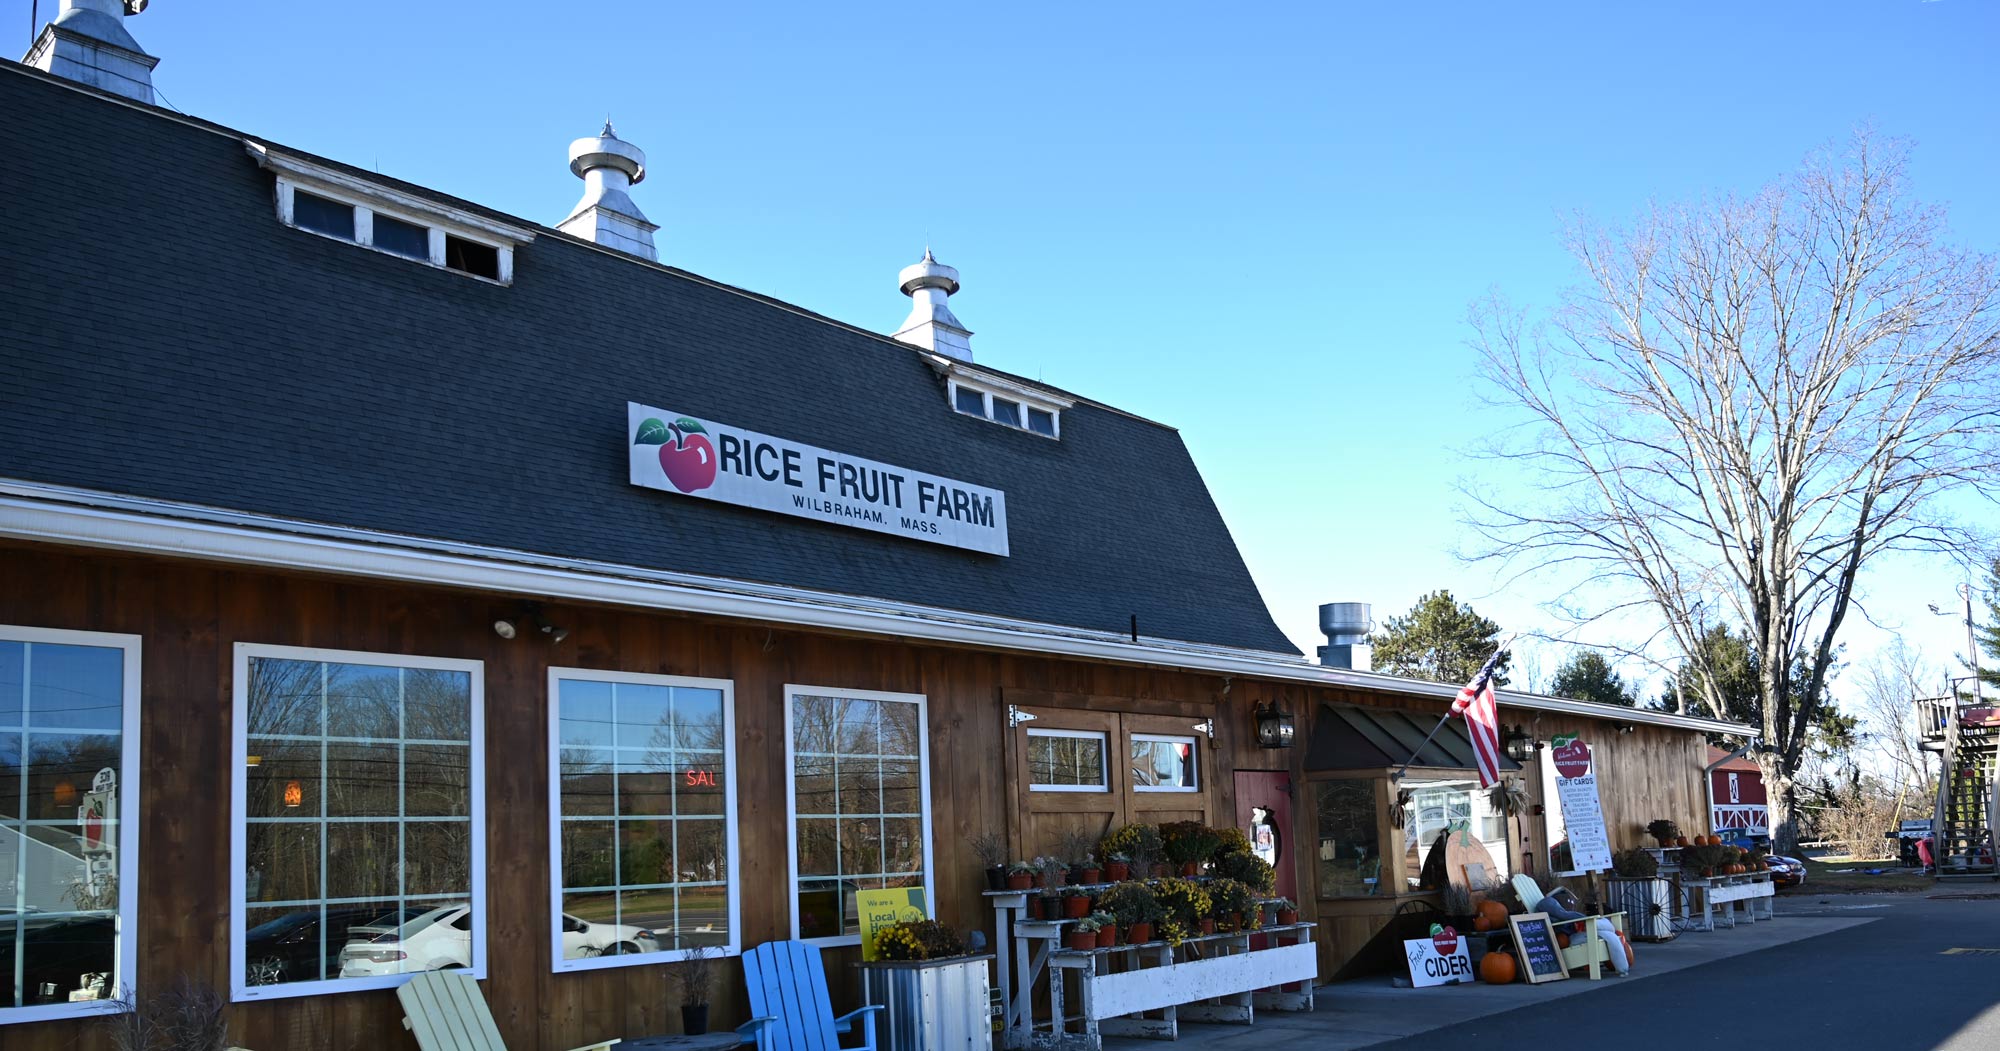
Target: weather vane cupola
88, 43
931, 324
609, 167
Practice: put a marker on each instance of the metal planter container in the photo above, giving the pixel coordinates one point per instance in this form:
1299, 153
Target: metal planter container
933, 1005
1648, 905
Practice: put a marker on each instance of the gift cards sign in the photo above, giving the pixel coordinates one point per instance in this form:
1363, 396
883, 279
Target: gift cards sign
1582, 811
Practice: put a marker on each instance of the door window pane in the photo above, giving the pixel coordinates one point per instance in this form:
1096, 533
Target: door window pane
1349, 859
643, 788
359, 806
1066, 761
1451, 808
859, 803
1163, 764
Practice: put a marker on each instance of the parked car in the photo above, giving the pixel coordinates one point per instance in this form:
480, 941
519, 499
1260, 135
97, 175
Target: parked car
1786, 872
582, 938
290, 948
432, 941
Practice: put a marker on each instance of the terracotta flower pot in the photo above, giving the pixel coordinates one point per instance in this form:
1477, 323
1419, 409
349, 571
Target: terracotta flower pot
1233, 921
1076, 906
1107, 936
1092, 876
1208, 925
1118, 872
1020, 881
1287, 916
1192, 868
1138, 934
1082, 941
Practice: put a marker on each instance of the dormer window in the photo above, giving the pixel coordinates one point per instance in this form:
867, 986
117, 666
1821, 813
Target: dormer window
335, 203
1006, 403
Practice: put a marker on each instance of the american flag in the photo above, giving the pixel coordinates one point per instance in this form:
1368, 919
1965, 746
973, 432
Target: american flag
1482, 719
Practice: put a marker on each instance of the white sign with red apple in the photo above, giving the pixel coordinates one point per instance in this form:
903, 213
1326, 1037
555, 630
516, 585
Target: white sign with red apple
677, 453
1582, 811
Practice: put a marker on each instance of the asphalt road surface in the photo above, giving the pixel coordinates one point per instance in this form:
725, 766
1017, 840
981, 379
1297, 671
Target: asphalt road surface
1888, 985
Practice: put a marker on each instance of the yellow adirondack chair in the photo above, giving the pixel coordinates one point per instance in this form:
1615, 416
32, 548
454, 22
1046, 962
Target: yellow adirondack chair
1587, 951
446, 1012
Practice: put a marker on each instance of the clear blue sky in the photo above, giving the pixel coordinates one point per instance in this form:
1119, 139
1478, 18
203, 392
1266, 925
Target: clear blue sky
1262, 227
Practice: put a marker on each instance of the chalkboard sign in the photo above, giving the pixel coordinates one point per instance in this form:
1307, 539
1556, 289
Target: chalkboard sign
1535, 940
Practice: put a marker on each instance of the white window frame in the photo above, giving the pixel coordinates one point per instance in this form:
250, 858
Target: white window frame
294, 173
1025, 397
1104, 764
239, 989
792, 692
126, 967
729, 816
1194, 756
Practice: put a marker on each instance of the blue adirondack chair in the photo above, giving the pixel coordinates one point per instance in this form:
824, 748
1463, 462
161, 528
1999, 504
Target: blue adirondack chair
788, 999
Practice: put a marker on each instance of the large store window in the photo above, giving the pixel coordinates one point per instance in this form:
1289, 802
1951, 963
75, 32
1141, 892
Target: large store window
1350, 858
1067, 761
1162, 763
643, 806
1458, 807
359, 820
69, 734
858, 789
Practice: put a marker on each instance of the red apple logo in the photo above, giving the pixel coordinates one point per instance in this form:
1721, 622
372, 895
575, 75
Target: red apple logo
1572, 757
1446, 941
686, 454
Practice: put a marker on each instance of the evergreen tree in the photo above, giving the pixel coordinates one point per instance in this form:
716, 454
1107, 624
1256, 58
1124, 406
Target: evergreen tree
1439, 640
1587, 676
1987, 636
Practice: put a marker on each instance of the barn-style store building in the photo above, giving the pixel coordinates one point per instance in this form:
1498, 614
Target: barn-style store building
377, 560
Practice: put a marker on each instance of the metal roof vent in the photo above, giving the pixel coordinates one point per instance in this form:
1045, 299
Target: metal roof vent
931, 324
1346, 626
609, 166
88, 43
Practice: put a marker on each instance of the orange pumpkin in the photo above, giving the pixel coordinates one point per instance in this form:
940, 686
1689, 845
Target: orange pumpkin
1628, 947
1714, 841
1498, 968
1494, 913
1480, 925
1680, 841
1562, 939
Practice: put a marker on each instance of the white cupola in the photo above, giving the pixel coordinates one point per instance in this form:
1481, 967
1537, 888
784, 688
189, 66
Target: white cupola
609, 166
931, 324
88, 43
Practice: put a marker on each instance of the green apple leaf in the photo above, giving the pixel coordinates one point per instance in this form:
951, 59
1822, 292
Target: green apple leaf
688, 426
652, 432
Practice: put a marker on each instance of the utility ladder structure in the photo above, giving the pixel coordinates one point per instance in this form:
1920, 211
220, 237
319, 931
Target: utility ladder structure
1966, 735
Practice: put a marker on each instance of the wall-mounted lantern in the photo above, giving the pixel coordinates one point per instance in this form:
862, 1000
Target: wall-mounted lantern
1274, 727
1520, 747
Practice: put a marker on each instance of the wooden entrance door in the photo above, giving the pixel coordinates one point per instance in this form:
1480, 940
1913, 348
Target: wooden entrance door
1054, 792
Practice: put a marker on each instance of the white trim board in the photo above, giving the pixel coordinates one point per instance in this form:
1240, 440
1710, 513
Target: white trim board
729, 816
125, 970
57, 514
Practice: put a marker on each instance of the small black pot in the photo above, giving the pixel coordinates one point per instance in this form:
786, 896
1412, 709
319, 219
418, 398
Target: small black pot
694, 1019
996, 878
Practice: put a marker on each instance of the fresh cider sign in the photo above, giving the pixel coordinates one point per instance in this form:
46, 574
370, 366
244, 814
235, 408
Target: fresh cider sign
682, 454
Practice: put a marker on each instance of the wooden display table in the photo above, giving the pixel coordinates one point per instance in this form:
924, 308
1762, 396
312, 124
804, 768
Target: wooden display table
1721, 894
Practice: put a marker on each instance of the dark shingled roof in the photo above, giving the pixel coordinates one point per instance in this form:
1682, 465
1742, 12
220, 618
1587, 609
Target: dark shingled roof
165, 336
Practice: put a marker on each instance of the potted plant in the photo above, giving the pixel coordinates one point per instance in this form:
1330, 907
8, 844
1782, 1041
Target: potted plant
1635, 864
1055, 872
1075, 848
1107, 929
1665, 832
1117, 866
1076, 903
1048, 905
1136, 908
1229, 840
1461, 912
991, 851
1284, 912
1233, 904
694, 980
1187, 906
1082, 935
1188, 844
1140, 845
1247, 869
1702, 860
1020, 875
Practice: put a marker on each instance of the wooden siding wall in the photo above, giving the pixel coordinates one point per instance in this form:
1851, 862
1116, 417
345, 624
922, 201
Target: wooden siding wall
190, 615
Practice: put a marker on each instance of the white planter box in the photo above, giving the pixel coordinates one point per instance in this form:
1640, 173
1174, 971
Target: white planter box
1648, 905
933, 1005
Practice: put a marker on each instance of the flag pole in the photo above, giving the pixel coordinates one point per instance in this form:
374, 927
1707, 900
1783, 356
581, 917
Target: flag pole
1405, 768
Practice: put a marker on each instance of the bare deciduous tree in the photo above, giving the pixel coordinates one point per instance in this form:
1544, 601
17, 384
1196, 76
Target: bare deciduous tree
1741, 407
1891, 683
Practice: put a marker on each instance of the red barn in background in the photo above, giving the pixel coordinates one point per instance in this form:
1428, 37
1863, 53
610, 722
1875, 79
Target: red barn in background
1737, 803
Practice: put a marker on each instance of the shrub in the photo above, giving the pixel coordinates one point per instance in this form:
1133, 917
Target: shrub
1248, 869
1227, 895
1635, 863
1228, 840
1661, 828
1140, 844
1185, 902
1187, 842
1132, 903
918, 940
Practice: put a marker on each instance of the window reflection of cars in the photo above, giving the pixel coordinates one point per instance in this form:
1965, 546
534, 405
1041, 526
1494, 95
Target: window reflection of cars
60, 951
431, 941
290, 948
581, 938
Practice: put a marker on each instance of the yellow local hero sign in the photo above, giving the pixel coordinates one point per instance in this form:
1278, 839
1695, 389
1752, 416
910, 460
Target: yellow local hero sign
880, 908
714, 461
